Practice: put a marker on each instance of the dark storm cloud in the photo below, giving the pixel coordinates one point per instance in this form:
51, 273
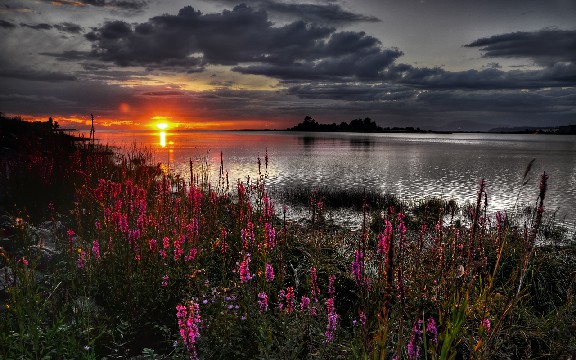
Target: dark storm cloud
364, 64
42, 26
526, 102
69, 27
76, 98
317, 13
488, 78
164, 93
353, 92
32, 99
120, 4
244, 37
545, 47
6, 24
555, 50
69, 55
347, 55
64, 27
403, 81
34, 75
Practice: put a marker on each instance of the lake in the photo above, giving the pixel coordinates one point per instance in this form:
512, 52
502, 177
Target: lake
411, 166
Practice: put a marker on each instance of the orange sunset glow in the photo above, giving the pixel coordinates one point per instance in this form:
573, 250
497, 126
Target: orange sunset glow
82, 122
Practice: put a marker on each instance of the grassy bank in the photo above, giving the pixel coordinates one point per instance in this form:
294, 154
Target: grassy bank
139, 263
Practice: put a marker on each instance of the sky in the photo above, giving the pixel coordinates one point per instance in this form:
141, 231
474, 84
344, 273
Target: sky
266, 64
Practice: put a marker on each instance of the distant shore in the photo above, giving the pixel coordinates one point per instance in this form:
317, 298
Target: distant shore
369, 126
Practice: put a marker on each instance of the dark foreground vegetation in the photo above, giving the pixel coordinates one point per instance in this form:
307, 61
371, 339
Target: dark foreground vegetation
123, 260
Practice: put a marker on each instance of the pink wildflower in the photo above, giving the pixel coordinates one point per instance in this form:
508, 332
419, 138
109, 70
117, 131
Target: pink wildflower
70, 234
331, 289
133, 236
193, 228
330, 305
263, 302
152, 245
290, 297
362, 318
384, 239
332, 320
486, 325
188, 321
269, 273
223, 244
304, 303
331, 327
415, 340
245, 275
247, 236
191, 255
358, 267
270, 236
314, 281
165, 279
431, 330
81, 263
281, 296
96, 249
178, 251
268, 207
401, 226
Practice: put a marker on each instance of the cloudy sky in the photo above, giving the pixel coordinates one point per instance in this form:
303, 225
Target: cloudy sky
434, 64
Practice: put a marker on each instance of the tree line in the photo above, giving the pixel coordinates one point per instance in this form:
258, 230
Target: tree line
357, 125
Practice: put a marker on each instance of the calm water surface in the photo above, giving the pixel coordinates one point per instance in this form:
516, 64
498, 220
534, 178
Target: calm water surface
411, 166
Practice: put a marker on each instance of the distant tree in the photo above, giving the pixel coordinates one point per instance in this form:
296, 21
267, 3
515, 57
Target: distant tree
309, 124
356, 125
53, 125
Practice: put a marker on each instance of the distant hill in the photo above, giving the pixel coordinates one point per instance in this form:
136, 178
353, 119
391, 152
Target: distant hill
560, 130
465, 126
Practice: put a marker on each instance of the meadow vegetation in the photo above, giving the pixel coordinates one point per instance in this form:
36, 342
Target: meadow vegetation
107, 256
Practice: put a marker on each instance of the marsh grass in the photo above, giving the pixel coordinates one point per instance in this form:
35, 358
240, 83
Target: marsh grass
151, 266
333, 198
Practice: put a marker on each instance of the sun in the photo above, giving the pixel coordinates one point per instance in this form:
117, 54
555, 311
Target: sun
161, 122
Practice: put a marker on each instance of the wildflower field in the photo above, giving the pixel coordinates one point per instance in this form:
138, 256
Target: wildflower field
106, 256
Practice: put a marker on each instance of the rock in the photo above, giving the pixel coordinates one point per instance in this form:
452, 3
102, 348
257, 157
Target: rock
47, 234
6, 278
7, 233
46, 237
